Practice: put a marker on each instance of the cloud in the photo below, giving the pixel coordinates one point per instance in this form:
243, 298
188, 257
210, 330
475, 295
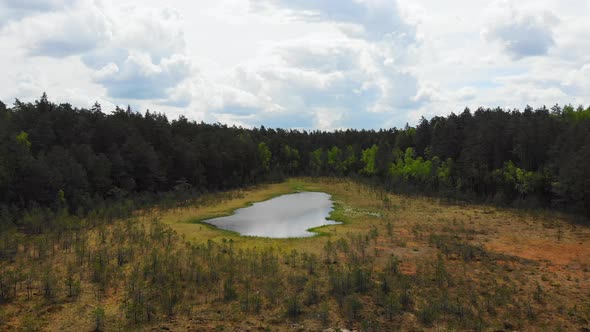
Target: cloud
14, 10
64, 82
579, 80
466, 93
368, 19
34, 5
358, 75
297, 63
135, 52
138, 77
520, 34
303, 119
157, 31
181, 95
78, 29
317, 81
330, 81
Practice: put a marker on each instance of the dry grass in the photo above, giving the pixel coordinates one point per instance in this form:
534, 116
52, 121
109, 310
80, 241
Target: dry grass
529, 251
555, 252
543, 248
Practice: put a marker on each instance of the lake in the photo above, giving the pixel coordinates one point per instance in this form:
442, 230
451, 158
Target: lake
285, 216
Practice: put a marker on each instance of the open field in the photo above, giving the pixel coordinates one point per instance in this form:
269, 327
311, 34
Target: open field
396, 263
544, 237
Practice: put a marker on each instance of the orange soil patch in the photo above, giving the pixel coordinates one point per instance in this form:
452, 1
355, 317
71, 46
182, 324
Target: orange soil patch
408, 268
544, 250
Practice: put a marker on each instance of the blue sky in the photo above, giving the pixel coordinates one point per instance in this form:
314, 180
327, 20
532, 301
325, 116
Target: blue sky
308, 64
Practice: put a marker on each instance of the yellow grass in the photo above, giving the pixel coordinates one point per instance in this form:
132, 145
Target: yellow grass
559, 263
354, 206
552, 252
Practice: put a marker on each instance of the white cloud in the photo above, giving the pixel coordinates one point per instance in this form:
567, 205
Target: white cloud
361, 67
579, 81
467, 93
157, 31
76, 29
14, 10
302, 63
56, 78
520, 34
325, 77
368, 19
135, 52
138, 77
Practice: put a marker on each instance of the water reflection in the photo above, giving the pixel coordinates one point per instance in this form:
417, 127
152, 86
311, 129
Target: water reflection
281, 217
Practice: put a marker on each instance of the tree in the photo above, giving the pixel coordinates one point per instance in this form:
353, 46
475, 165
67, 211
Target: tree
368, 159
291, 158
265, 156
94, 157
353, 307
144, 163
423, 136
350, 159
23, 139
335, 161
99, 317
317, 161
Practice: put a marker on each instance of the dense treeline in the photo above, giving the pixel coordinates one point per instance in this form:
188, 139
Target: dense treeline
56, 157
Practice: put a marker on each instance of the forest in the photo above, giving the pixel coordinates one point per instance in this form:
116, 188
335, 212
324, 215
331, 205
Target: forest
100, 223
56, 158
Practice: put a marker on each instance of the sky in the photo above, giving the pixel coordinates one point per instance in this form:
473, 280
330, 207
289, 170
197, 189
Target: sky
303, 64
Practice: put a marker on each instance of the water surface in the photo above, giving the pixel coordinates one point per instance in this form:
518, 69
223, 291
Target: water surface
281, 217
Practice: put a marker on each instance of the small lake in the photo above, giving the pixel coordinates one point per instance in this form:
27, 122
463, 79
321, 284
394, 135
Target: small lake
285, 216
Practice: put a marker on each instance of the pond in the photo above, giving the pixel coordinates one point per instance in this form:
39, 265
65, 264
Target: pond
285, 216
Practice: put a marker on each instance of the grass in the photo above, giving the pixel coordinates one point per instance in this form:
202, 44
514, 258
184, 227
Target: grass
189, 221
359, 207
455, 267
517, 241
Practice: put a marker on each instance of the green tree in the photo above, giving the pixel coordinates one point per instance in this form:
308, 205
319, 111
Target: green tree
334, 161
23, 139
316, 161
265, 156
368, 159
350, 159
99, 319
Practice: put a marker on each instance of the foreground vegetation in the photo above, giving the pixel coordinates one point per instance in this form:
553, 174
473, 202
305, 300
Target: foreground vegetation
397, 262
